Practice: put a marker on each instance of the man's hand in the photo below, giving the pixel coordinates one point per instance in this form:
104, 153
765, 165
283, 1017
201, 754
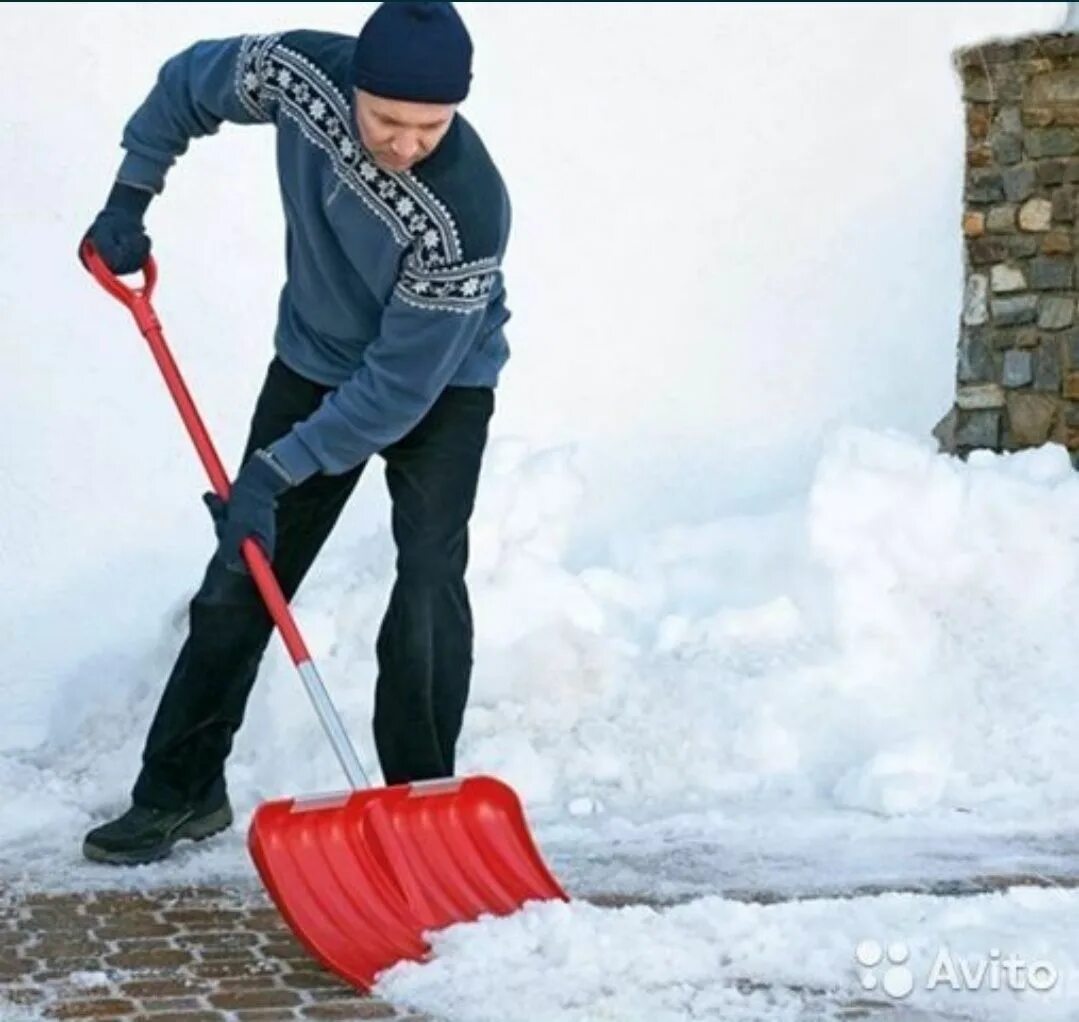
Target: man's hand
117, 232
249, 511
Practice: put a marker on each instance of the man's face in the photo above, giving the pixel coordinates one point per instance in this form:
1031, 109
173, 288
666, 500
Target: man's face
399, 133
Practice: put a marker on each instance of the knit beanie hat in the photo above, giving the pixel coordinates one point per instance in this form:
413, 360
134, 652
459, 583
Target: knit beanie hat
418, 51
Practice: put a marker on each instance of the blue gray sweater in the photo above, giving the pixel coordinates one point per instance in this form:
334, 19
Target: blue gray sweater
394, 288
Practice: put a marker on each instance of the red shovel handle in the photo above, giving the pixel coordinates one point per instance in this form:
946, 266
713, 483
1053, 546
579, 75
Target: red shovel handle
137, 300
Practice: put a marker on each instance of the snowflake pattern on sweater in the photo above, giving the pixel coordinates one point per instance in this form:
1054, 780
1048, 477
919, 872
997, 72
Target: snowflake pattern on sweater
273, 80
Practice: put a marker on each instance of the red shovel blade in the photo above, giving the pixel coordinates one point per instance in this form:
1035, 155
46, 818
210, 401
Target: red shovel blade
322, 873
459, 848
360, 875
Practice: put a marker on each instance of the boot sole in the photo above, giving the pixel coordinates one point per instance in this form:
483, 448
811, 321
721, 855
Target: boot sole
194, 830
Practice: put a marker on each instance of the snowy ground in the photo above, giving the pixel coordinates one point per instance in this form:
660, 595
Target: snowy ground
896, 646
715, 959
867, 690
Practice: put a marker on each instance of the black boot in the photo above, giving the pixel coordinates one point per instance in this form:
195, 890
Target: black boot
145, 835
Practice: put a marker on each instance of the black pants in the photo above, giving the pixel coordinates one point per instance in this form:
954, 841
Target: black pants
424, 646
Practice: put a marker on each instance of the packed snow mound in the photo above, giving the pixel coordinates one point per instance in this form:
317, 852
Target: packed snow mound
715, 959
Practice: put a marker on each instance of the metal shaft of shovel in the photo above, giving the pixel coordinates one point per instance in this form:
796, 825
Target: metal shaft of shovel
137, 301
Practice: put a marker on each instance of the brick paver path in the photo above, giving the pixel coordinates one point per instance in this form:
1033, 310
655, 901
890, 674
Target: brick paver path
182, 955
207, 954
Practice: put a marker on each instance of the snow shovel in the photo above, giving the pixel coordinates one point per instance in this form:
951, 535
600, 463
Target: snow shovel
359, 875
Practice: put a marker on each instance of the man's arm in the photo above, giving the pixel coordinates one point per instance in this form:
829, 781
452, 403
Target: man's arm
431, 323
212, 81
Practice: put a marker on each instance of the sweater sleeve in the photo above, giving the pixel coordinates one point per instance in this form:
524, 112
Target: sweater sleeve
431, 322
214, 80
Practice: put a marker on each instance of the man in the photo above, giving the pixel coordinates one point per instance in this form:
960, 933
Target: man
389, 340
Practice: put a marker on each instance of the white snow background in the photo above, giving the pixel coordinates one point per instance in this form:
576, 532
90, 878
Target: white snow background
739, 626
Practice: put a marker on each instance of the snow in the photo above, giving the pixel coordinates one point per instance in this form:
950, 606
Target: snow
716, 959
741, 632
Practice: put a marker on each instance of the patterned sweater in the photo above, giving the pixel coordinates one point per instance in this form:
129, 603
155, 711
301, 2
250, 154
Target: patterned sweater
394, 288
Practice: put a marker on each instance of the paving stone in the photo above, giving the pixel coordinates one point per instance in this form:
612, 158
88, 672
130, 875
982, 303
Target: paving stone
153, 958
104, 1008
173, 1004
286, 952
165, 986
312, 978
201, 1015
264, 1015
123, 903
231, 1000
255, 981
265, 919
217, 940
196, 919
227, 967
130, 929
361, 1010
319, 995
182, 955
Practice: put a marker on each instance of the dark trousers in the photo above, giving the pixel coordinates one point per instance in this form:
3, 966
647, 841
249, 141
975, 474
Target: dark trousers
424, 646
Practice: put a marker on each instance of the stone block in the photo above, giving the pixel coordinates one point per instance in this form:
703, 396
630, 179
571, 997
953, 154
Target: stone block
975, 305
1008, 121
1049, 172
1057, 243
978, 120
1018, 368
986, 250
1070, 388
1036, 215
1006, 149
1037, 117
1063, 203
1006, 278
978, 429
1047, 370
1000, 219
1018, 182
1054, 89
974, 224
944, 431
975, 361
978, 396
984, 186
1031, 418
977, 87
1056, 312
1051, 142
1014, 311
1047, 274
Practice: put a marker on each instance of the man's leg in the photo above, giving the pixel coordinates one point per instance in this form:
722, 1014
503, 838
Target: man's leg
203, 703
425, 643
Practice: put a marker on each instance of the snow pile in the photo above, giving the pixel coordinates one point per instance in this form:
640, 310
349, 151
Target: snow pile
900, 641
715, 959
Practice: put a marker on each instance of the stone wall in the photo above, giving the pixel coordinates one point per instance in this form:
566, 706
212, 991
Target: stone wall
1017, 378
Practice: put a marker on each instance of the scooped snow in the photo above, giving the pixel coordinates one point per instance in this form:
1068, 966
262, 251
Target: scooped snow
716, 959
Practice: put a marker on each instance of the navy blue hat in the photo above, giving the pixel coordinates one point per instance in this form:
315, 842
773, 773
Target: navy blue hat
416, 51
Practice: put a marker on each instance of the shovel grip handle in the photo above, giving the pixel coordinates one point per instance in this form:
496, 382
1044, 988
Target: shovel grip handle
137, 300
